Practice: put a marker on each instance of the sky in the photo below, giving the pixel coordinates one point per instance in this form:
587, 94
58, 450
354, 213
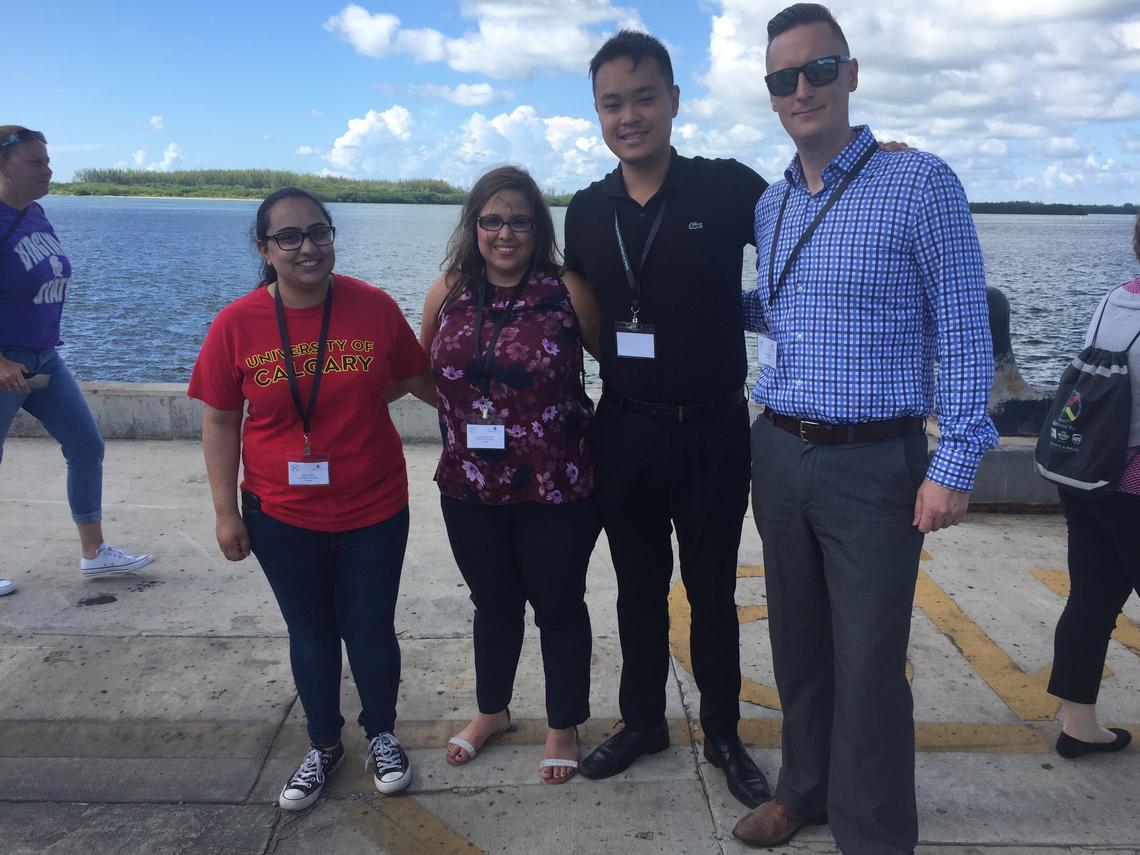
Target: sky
1025, 99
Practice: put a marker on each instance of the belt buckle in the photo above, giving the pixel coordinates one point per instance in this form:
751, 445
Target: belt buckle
805, 424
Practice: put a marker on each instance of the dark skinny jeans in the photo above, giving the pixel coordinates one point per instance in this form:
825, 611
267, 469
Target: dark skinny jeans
333, 586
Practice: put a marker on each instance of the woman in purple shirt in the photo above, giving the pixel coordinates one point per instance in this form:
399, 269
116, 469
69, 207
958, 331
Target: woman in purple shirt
505, 327
34, 273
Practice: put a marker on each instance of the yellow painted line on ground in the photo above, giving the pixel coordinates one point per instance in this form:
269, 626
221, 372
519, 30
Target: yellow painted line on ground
1023, 693
405, 827
1127, 631
163, 740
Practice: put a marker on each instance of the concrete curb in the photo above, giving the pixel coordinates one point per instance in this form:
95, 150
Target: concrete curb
162, 411
1006, 479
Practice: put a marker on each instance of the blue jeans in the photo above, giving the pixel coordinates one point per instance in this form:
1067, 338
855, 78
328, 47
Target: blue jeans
62, 410
332, 586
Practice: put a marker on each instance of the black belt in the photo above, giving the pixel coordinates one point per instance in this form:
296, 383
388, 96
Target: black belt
819, 433
677, 413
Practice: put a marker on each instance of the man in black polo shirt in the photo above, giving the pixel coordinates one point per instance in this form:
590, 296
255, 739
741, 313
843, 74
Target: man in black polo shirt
661, 240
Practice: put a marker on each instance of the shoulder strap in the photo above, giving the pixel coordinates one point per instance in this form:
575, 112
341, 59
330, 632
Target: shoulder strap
12, 228
1096, 330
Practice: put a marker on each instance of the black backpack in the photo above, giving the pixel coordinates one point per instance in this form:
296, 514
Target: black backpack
1084, 438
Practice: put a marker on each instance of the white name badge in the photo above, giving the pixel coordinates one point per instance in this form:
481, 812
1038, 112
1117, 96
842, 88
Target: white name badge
634, 342
766, 350
309, 473
486, 436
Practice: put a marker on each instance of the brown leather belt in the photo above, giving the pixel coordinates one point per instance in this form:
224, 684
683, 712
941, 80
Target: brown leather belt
819, 433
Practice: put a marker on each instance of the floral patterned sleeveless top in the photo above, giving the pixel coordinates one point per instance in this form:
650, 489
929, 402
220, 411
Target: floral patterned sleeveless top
534, 390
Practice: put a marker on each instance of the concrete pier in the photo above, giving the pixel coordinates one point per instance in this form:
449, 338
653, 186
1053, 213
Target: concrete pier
155, 713
1006, 480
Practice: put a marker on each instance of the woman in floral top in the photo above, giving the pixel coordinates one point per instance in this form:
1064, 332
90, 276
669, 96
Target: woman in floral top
505, 329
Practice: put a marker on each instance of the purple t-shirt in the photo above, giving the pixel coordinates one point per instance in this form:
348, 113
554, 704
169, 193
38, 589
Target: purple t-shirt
33, 280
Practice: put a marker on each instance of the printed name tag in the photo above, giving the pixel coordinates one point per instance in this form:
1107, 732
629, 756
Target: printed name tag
486, 436
634, 342
766, 350
309, 473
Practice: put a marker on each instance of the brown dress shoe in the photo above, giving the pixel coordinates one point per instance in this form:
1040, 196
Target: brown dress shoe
771, 823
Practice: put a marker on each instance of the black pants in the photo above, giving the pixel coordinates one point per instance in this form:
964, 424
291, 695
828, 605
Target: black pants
509, 554
651, 476
840, 566
1104, 569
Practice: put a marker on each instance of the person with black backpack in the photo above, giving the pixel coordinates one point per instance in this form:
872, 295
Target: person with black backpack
1104, 535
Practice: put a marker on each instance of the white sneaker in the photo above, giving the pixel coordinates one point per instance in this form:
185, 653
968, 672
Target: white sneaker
7, 587
110, 560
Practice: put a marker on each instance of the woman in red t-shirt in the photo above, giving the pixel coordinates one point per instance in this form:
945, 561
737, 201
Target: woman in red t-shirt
505, 328
324, 493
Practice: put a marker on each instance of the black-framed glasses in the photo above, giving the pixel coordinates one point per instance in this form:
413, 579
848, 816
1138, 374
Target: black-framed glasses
22, 136
493, 222
289, 239
819, 72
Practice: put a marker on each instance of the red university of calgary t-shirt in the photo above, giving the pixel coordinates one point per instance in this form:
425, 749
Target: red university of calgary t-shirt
369, 345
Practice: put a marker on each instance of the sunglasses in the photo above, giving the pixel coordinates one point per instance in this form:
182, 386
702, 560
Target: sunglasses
22, 136
819, 72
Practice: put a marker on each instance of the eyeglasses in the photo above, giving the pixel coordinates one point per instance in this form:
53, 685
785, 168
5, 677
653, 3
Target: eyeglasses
290, 239
819, 72
22, 136
493, 223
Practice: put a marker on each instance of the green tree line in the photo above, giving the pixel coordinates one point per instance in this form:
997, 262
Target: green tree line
1049, 208
259, 183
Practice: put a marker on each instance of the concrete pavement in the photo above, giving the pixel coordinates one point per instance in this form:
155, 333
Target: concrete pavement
155, 713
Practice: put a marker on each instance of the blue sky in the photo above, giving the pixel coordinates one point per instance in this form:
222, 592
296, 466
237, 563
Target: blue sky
1026, 99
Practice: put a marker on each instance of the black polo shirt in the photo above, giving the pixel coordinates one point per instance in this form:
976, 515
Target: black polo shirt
690, 283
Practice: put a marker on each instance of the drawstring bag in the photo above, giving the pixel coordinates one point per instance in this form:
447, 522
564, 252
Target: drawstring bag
1084, 438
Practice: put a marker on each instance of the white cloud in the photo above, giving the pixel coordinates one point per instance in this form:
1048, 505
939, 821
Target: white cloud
155, 123
138, 158
171, 157
512, 38
462, 95
306, 149
316, 114
990, 87
370, 138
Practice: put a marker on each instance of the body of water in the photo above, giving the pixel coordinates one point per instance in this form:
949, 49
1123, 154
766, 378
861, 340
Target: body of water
150, 274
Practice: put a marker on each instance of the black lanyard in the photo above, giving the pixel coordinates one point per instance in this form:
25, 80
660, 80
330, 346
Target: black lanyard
286, 349
487, 359
635, 280
774, 289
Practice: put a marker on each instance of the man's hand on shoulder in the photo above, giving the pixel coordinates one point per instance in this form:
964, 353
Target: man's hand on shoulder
891, 145
938, 507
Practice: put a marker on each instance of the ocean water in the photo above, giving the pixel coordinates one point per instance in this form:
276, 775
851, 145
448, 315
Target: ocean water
150, 274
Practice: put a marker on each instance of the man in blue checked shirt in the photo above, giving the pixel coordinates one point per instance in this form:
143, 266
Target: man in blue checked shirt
869, 273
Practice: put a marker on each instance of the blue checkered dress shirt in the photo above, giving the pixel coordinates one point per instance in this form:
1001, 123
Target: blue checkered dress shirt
891, 282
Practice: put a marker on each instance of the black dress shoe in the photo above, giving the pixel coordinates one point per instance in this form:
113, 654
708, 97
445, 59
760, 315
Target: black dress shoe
1071, 748
620, 750
745, 780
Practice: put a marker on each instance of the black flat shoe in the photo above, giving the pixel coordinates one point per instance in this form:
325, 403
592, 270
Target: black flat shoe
1071, 748
745, 780
618, 752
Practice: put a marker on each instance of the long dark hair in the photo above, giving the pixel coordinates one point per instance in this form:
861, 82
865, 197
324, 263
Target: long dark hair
261, 224
463, 260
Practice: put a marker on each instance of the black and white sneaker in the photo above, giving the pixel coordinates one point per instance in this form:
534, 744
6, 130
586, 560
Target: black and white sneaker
393, 771
305, 786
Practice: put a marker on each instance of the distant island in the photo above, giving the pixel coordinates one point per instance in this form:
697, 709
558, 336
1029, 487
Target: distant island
259, 183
